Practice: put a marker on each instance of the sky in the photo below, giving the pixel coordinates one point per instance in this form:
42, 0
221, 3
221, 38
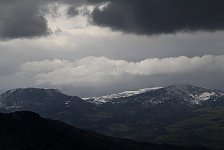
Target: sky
99, 47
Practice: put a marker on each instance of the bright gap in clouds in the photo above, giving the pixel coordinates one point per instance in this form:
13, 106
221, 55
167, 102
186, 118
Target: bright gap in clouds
68, 30
58, 18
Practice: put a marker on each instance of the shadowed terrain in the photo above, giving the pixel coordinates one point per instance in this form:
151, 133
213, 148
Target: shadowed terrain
27, 130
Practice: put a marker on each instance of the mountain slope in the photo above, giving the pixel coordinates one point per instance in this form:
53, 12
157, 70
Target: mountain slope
183, 93
27, 130
205, 126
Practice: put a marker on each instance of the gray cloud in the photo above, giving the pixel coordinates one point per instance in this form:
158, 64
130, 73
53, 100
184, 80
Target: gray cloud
152, 17
105, 73
21, 19
101, 69
26, 18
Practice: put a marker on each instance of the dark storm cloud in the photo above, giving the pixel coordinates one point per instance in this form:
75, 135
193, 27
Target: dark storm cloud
161, 16
21, 19
26, 18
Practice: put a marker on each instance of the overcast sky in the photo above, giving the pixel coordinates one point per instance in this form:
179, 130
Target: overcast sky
98, 47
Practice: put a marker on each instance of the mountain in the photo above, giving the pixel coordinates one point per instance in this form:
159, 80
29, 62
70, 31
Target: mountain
47, 102
176, 114
182, 93
27, 130
30, 98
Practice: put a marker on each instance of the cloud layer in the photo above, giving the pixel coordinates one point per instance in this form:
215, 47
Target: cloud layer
96, 71
151, 17
27, 18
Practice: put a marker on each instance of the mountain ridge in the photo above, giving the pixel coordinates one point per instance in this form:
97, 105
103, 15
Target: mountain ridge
124, 94
184, 88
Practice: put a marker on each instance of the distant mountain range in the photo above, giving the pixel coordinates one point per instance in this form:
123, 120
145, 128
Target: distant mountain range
177, 114
187, 93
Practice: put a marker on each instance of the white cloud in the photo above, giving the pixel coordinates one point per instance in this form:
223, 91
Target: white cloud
96, 71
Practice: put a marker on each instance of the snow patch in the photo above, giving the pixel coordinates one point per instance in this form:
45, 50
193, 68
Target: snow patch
206, 96
13, 107
11, 91
197, 99
67, 103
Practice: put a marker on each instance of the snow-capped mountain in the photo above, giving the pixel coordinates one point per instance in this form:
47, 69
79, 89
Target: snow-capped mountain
109, 98
176, 93
33, 97
193, 94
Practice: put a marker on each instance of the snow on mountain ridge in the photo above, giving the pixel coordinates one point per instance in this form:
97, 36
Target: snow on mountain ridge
190, 94
107, 98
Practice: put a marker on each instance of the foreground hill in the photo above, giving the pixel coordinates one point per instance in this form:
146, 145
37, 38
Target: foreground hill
177, 114
27, 130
